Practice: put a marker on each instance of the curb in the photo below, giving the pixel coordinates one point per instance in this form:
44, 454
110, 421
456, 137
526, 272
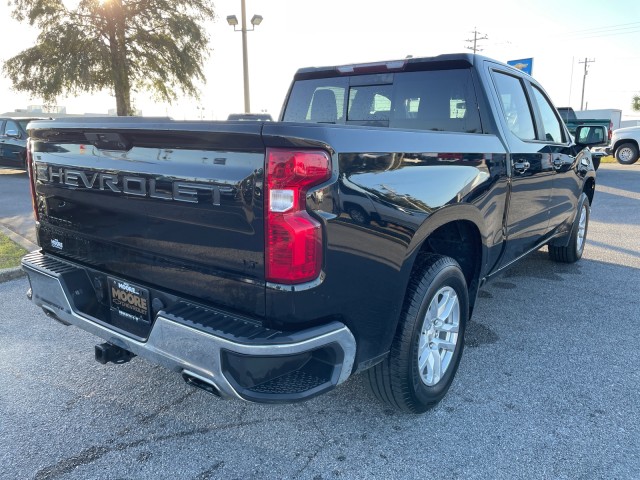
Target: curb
8, 274
25, 243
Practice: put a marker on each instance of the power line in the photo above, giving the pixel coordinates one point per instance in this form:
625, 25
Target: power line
475, 40
608, 27
607, 34
620, 29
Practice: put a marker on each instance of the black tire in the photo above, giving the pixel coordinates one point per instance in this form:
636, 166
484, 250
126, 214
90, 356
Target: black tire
627, 154
596, 162
397, 380
578, 238
358, 215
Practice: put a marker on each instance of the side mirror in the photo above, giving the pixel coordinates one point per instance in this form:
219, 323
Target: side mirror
12, 134
591, 135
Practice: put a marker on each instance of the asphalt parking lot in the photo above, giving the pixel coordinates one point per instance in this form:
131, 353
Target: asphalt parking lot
548, 387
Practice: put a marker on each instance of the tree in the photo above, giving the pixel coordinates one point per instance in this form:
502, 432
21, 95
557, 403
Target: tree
635, 103
122, 45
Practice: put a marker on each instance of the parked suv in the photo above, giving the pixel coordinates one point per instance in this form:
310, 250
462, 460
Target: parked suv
13, 141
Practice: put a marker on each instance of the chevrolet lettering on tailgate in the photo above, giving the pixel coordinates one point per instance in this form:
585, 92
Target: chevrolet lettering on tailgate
125, 184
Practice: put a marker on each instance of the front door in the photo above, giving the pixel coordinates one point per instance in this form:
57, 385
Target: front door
567, 184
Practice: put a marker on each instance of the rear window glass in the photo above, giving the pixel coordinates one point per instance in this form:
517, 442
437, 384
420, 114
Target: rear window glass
442, 100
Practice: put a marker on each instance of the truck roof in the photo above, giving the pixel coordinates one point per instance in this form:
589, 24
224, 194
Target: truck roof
439, 62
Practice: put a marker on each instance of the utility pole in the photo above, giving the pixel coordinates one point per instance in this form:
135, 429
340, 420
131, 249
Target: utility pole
584, 78
475, 39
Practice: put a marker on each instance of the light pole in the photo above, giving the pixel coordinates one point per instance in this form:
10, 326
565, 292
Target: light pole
255, 21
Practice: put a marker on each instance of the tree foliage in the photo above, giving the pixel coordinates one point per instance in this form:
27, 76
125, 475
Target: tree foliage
122, 45
635, 103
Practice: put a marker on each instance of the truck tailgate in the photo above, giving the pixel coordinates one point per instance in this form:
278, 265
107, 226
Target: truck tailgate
172, 205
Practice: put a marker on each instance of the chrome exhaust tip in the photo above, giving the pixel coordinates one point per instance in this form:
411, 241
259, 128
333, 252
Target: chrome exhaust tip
197, 381
49, 312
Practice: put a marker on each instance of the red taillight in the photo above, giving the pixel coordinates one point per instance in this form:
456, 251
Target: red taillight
293, 238
32, 179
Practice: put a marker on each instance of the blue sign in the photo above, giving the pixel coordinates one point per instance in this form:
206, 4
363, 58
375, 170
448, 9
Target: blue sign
524, 64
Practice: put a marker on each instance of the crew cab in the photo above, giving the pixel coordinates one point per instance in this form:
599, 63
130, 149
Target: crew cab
271, 261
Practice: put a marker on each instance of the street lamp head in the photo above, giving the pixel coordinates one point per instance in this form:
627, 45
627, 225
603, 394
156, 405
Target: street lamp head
255, 20
232, 20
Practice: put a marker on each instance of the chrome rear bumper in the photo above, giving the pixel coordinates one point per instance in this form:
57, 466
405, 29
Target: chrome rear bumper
208, 354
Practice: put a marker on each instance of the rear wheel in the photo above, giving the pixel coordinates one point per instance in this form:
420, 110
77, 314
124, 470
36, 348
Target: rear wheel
427, 347
627, 154
573, 251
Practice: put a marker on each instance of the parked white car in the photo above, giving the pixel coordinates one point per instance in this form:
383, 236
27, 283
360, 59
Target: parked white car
624, 145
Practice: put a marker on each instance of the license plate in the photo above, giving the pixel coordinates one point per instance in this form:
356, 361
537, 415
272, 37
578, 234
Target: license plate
128, 301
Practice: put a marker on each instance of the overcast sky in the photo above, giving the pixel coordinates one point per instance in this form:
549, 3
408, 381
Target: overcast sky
299, 33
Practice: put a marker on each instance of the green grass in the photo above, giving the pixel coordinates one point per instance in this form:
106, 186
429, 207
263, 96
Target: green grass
608, 159
10, 253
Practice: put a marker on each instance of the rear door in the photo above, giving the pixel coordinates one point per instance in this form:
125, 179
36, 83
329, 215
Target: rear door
531, 167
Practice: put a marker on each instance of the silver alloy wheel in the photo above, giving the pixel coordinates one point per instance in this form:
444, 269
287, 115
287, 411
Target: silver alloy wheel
582, 229
625, 154
438, 336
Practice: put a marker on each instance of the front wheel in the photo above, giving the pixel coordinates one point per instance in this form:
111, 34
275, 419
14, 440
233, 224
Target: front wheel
426, 350
627, 154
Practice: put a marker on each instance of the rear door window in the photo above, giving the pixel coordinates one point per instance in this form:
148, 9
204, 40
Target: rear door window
515, 106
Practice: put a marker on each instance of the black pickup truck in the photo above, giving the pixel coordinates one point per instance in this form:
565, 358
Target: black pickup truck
270, 261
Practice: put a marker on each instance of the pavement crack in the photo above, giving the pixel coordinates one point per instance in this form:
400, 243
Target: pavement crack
96, 452
152, 416
325, 442
67, 465
210, 472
